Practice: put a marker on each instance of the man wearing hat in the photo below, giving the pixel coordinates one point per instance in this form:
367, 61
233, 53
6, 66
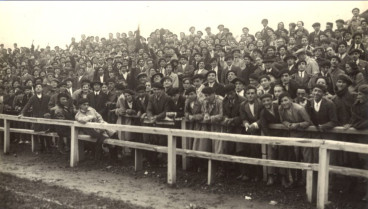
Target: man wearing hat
362, 64
335, 71
290, 61
197, 81
221, 31
342, 54
340, 24
269, 69
211, 82
201, 68
158, 103
312, 66
184, 68
97, 99
317, 30
323, 116
231, 112
357, 44
177, 104
265, 29
39, 103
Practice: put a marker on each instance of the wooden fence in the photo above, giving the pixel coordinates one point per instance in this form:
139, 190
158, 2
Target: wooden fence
324, 146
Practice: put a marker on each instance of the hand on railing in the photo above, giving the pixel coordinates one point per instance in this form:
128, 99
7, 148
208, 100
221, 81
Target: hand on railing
82, 121
347, 126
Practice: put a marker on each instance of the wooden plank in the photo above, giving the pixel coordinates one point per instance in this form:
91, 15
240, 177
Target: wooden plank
171, 160
349, 171
264, 156
211, 172
74, 147
346, 146
32, 143
247, 160
136, 145
6, 136
309, 185
323, 172
138, 160
184, 145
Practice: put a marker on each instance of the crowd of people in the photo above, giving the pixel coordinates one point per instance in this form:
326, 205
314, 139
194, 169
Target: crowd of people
215, 81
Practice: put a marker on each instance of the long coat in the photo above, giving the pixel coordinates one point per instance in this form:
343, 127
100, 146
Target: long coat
195, 110
214, 110
40, 106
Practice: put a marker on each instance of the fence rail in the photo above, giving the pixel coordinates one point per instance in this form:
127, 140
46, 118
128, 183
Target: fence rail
324, 146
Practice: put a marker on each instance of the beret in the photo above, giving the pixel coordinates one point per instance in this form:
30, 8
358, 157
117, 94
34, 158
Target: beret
299, 62
129, 91
82, 101
300, 51
340, 20
96, 82
119, 86
208, 90
229, 87
284, 71
320, 86
357, 34
157, 85
140, 75
221, 25
346, 79
189, 90
238, 80
337, 58
354, 51
60, 95
325, 64
264, 76
289, 56
363, 88
156, 74
318, 48
253, 76
317, 24
211, 71
141, 88
200, 76
266, 95
166, 78
56, 80
171, 92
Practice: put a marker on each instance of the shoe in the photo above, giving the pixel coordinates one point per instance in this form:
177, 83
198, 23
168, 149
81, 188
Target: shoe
27, 142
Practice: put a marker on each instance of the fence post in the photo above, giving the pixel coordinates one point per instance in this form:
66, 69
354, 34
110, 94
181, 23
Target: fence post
6, 136
33, 142
138, 162
171, 160
184, 145
74, 157
322, 187
211, 172
309, 185
264, 156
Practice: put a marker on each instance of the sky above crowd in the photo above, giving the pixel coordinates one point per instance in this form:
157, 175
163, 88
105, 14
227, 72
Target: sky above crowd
54, 23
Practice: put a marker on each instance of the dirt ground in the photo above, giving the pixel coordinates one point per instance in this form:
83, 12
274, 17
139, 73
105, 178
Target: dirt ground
118, 182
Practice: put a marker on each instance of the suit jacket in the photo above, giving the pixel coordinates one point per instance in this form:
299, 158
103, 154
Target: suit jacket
302, 81
214, 109
267, 118
232, 110
195, 111
293, 86
158, 106
188, 71
98, 102
299, 115
143, 103
39, 108
178, 107
246, 114
245, 73
364, 53
326, 117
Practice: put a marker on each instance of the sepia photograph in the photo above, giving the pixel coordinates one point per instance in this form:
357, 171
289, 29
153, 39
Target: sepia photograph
184, 105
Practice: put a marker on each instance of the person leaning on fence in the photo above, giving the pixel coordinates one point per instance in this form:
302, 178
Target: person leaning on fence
270, 115
295, 118
250, 111
193, 114
39, 104
87, 114
231, 109
63, 110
